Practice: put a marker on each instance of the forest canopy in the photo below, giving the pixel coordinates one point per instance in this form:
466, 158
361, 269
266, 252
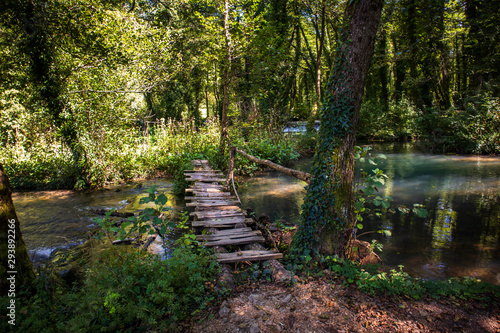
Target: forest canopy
84, 84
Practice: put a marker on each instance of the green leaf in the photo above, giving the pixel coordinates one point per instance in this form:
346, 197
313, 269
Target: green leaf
125, 224
421, 212
359, 226
145, 200
152, 189
161, 199
148, 212
369, 190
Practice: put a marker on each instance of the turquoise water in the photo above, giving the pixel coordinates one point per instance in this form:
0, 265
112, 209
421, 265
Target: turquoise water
461, 235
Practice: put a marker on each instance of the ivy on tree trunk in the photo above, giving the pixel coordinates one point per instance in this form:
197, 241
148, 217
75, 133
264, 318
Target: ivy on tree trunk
328, 213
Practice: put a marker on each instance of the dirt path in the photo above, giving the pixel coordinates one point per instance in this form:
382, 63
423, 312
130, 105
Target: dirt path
324, 305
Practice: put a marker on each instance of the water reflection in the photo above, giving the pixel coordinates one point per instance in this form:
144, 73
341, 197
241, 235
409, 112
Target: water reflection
461, 235
52, 220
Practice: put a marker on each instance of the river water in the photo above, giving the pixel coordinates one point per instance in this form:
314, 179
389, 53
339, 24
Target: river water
461, 235
52, 220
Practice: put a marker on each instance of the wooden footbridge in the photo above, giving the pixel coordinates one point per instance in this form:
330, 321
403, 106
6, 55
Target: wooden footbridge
218, 212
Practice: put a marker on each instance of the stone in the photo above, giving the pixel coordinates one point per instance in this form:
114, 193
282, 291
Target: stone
254, 328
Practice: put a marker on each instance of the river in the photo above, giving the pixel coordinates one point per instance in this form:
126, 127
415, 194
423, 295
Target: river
52, 220
461, 235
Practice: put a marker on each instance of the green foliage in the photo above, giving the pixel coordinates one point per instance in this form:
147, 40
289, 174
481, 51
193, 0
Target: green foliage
398, 282
133, 291
277, 148
123, 293
368, 202
398, 122
45, 162
147, 222
471, 130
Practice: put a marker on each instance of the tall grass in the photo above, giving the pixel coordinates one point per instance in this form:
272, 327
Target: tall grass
111, 154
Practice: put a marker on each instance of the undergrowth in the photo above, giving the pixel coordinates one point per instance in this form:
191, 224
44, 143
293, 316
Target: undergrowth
116, 154
396, 282
131, 292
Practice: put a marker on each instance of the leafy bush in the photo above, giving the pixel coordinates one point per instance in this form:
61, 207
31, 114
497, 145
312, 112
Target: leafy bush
132, 291
143, 290
277, 148
398, 282
397, 123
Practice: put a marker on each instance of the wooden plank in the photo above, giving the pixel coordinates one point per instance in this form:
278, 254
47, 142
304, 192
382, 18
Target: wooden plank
223, 234
202, 185
221, 223
199, 162
247, 256
205, 224
211, 196
208, 200
212, 203
204, 189
204, 175
219, 213
220, 208
205, 180
230, 231
216, 214
228, 219
208, 188
236, 241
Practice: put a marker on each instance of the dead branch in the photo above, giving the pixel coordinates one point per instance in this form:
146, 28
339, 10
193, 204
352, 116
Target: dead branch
304, 176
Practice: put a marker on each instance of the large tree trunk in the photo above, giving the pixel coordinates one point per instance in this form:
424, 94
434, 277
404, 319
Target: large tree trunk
16, 264
328, 211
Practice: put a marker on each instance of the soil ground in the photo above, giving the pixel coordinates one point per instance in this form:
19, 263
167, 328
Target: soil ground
324, 305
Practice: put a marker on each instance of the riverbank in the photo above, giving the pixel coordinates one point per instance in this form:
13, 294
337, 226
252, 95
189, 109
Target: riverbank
323, 304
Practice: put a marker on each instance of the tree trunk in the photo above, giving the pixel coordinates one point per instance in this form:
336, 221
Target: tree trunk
328, 212
226, 70
13, 253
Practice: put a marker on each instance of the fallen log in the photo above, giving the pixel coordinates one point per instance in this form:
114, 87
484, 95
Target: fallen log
304, 176
126, 241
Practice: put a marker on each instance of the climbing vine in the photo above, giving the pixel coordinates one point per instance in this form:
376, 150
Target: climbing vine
328, 212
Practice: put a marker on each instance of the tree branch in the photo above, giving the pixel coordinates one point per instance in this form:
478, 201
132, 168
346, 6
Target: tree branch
304, 176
